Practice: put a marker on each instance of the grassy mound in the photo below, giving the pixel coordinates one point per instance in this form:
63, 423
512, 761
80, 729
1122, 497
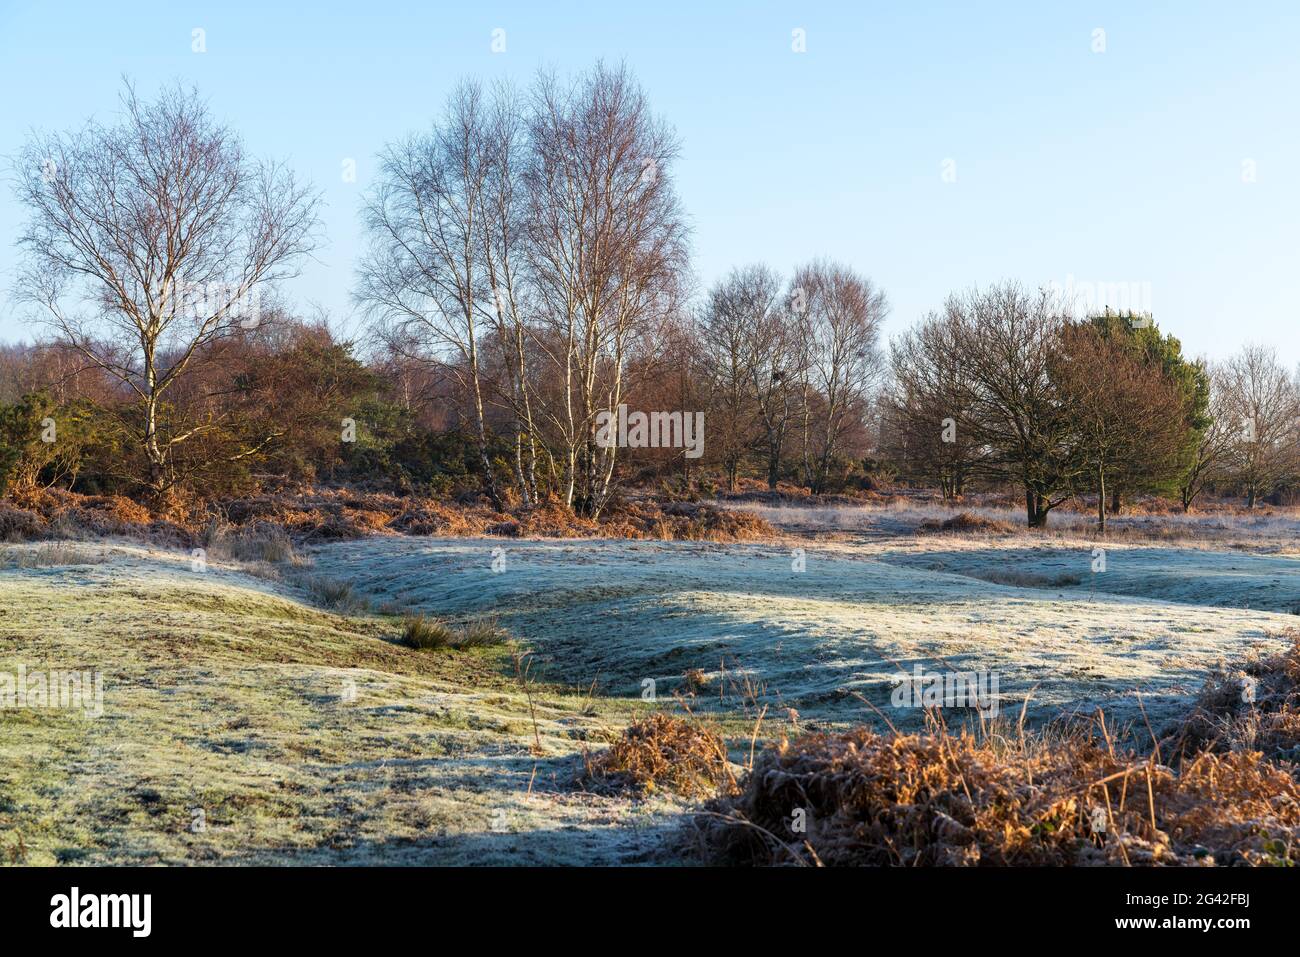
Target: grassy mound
240, 725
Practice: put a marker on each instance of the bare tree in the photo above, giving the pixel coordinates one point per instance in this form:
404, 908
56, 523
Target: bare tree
1007, 337
424, 276
151, 240
1262, 406
504, 257
776, 371
1208, 459
839, 361
733, 341
607, 250
929, 392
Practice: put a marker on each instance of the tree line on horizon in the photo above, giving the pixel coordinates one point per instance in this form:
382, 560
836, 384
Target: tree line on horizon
527, 270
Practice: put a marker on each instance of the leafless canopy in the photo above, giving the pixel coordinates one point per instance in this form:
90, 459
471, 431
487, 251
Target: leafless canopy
607, 249
147, 240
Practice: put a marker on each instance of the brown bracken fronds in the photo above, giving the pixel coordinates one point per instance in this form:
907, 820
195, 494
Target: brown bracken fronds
663, 752
861, 798
966, 523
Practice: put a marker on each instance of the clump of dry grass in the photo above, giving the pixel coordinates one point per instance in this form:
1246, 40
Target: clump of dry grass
968, 524
480, 633
435, 518
335, 594
863, 798
694, 679
663, 752
20, 524
424, 633
49, 556
260, 541
702, 522
305, 515
673, 521
33, 513
1254, 707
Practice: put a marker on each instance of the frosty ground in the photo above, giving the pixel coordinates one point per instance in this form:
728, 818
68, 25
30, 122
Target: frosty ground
245, 723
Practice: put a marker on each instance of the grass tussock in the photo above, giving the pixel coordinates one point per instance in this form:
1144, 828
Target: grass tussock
695, 680
335, 594
1019, 579
431, 634
862, 798
259, 541
667, 753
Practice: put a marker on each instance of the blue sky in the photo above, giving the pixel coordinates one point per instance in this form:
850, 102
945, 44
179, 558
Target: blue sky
1120, 166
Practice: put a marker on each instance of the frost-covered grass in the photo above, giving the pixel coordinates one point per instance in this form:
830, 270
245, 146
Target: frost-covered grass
1187, 576
244, 721
1267, 528
241, 725
621, 614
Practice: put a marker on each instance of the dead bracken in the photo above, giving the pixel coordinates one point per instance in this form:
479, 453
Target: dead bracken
967, 523
663, 752
862, 798
270, 525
